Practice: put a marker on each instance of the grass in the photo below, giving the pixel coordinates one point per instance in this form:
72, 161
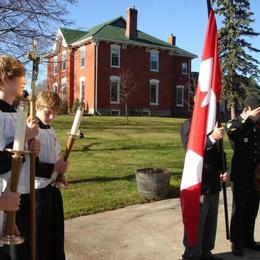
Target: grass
103, 164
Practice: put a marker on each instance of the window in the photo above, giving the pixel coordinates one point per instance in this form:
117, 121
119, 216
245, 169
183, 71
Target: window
55, 87
82, 89
82, 57
154, 60
115, 112
115, 55
63, 60
63, 89
180, 96
146, 112
55, 65
184, 68
154, 92
115, 90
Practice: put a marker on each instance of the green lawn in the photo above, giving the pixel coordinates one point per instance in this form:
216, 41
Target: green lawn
103, 164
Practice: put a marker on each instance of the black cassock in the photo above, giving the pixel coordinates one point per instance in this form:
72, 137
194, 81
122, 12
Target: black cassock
13, 252
49, 204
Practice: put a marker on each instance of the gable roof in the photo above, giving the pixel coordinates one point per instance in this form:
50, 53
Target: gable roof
71, 35
114, 30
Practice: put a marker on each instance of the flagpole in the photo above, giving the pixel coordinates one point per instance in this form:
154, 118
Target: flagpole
223, 164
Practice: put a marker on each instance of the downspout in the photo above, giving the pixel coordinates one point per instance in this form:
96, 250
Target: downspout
71, 77
96, 78
189, 87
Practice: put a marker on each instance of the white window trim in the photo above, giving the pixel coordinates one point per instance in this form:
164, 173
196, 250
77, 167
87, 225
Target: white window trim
155, 82
55, 64
154, 52
62, 55
82, 48
115, 110
115, 47
81, 79
115, 79
182, 88
184, 73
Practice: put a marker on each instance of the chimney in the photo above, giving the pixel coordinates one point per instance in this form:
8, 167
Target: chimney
131, 23
171, 40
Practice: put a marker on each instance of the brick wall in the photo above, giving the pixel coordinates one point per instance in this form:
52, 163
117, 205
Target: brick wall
133, 58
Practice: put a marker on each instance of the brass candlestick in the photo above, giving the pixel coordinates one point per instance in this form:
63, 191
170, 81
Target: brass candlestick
9, 237
68, 149
72, 135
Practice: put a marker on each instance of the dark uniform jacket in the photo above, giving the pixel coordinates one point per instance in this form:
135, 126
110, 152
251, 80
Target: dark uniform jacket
245, 140
212, 164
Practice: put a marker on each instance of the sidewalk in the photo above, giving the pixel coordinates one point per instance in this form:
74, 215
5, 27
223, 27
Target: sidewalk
141, 232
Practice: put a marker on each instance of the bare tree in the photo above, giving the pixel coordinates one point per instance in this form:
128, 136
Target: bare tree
41, 86
22, 20
128, 87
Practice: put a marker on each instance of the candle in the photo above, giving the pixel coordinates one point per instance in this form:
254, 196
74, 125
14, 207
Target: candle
76, 122
20, 128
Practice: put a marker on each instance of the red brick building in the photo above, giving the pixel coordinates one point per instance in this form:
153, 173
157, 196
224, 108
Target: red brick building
88, 66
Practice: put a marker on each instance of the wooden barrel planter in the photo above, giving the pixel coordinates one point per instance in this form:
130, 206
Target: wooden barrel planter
153, 183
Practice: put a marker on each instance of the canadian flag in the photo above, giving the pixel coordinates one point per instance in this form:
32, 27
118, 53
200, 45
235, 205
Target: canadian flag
203, 122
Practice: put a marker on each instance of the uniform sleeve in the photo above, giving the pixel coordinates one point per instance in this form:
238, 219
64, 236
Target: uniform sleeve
43, 170
238, 128
223, 165
185, 131
209, 142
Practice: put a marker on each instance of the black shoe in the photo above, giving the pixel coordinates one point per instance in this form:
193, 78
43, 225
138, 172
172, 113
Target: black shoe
252, 245
237, 250
211, 257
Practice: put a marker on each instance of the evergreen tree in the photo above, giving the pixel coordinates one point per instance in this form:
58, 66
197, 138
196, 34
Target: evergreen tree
237, 63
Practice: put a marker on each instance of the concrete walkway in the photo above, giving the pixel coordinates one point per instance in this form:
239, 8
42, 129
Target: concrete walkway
142, 232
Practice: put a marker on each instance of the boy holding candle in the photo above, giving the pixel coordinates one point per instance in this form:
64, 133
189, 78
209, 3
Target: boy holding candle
49, 205
12, 82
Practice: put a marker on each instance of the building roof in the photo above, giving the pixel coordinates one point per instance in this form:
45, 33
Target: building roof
71, 35
114, 30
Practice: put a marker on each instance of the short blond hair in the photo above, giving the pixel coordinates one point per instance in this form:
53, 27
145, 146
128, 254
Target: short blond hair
49, 99
10, 68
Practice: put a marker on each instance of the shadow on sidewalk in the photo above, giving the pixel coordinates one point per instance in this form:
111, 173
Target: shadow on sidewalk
248, 255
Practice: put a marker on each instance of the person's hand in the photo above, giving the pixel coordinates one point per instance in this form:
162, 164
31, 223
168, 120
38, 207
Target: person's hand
218, 133
34, 146
253, 114
9, 201
224, 177
61, 166
32, 129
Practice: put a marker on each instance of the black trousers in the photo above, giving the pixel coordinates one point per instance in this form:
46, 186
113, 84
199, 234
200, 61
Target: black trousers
244, 213
5, 253
50, 224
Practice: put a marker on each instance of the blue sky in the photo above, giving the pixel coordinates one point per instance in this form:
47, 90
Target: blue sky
186, 19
